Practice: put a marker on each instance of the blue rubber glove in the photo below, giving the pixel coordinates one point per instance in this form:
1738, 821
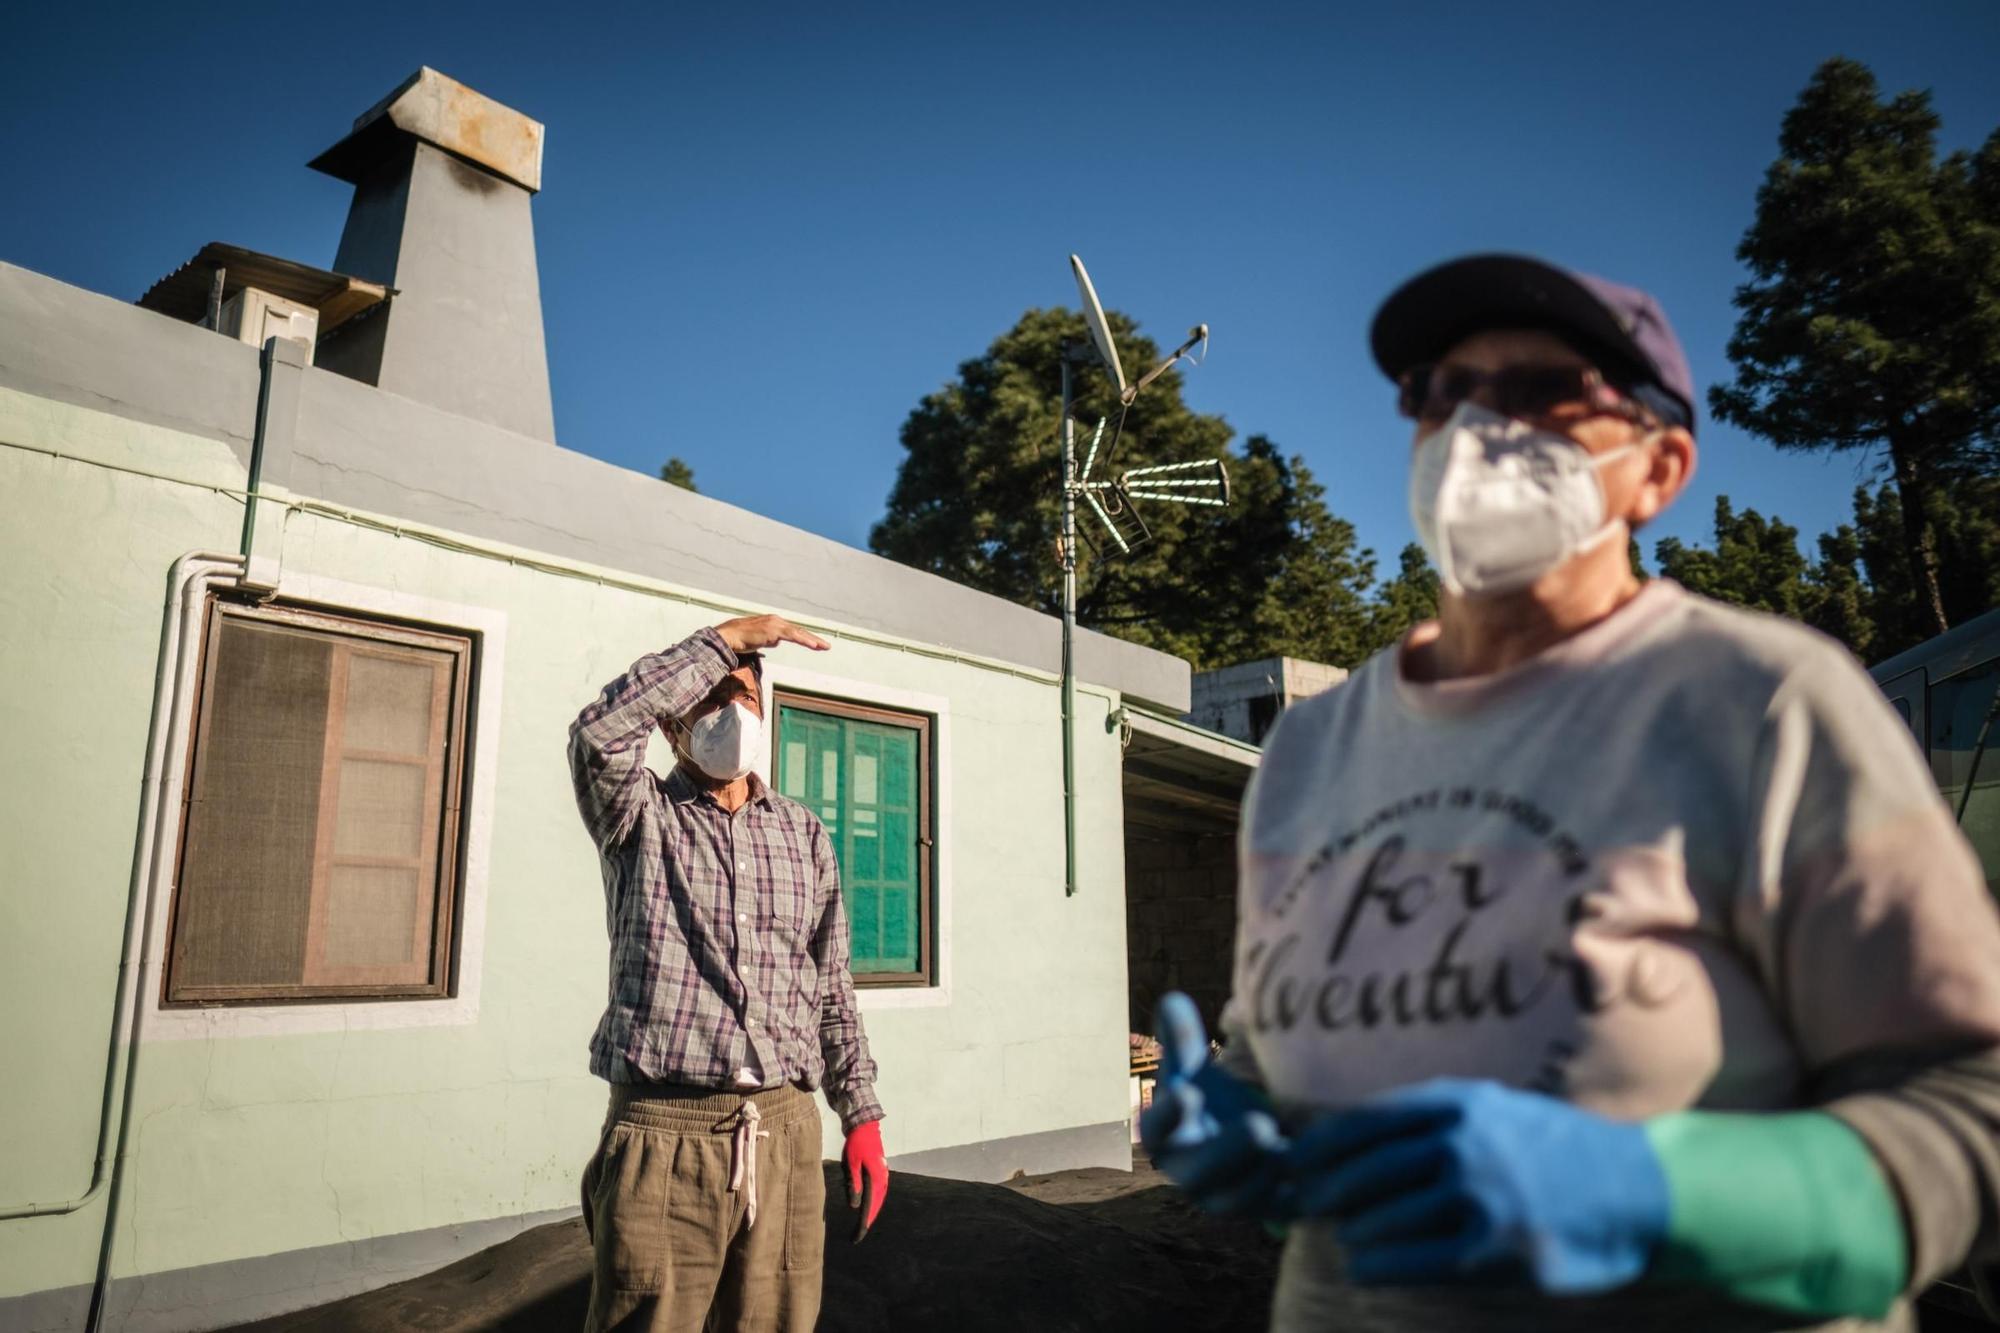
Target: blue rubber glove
1461, 1179
1211, 1133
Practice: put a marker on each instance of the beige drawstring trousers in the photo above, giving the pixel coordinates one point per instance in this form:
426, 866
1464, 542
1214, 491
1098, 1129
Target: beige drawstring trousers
704, 1211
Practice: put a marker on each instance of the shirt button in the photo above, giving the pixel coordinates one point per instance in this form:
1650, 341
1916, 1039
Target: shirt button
742, 917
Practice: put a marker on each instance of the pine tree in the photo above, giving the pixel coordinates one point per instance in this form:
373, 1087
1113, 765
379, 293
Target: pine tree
1755, 562
977, 500
676, 472
1872, 320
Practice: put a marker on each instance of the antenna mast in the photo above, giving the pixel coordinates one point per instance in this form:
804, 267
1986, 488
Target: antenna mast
1204, 482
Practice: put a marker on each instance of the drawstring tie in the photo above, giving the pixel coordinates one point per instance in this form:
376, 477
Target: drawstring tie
743, 1166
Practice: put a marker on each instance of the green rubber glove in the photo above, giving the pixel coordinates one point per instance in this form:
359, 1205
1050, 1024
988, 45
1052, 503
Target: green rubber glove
1787, 1210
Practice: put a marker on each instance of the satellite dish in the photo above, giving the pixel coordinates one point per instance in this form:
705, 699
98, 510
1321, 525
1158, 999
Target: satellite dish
1100, 332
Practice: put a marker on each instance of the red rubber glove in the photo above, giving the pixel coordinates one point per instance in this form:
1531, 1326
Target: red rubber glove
867, 1174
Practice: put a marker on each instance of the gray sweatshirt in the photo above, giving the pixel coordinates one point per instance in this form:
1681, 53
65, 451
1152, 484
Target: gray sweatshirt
1686, 858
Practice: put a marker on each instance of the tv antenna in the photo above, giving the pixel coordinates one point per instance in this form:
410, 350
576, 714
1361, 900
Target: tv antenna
1203, 482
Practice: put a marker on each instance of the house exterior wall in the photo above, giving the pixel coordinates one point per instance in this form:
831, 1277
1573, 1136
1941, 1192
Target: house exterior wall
256, 1135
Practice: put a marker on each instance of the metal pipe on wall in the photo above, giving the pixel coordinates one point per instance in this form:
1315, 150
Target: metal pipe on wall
195, 570
1068, 632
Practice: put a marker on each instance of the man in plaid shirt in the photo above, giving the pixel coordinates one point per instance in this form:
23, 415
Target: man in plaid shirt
730, 1000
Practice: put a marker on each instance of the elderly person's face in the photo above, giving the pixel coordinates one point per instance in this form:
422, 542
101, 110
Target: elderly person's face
739, 686
1636, 486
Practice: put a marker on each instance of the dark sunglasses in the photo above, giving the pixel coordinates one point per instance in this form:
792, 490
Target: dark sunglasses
1431, 392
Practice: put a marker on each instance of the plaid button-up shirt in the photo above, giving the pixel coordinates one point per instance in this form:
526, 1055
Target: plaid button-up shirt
729, 948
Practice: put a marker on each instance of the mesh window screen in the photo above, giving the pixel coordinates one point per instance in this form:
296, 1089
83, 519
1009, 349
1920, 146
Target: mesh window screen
246, 881
317, 813
371, 910
380, 810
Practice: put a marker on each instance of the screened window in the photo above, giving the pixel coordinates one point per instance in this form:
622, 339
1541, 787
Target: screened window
319, 839
866, 772
1965, 748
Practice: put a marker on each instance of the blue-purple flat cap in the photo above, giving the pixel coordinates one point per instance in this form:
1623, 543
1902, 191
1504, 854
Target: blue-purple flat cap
1621, 326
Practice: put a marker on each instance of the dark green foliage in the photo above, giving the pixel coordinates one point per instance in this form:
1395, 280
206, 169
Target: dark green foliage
676, 472
1842, 603
1859, 590
1755, 563
1405, 600
977, 500
1872, 320
1277, 573
1965, 523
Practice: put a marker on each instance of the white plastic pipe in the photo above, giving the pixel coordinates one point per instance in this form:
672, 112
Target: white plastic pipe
180, 636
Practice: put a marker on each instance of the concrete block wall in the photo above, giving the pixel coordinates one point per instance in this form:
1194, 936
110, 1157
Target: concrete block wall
1180, 920
1244, 700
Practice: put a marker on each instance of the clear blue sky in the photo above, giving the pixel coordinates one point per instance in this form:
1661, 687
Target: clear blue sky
766, 231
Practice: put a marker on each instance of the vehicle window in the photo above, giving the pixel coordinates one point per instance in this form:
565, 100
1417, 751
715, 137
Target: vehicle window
1964, 736
1906, 695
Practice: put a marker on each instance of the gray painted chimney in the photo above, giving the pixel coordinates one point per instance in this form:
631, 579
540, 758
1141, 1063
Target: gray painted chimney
442, 182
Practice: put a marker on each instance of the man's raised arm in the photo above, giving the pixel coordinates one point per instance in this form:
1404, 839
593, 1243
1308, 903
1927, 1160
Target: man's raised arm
607, 742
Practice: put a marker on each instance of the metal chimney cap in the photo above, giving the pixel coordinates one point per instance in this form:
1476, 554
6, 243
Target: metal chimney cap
442, 111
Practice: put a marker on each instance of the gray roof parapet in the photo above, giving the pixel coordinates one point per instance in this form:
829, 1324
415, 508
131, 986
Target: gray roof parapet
366, 448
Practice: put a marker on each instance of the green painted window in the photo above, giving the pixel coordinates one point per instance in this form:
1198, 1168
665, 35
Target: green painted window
866, 773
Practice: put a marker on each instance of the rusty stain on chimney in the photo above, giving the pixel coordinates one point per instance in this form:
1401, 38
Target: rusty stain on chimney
444, 112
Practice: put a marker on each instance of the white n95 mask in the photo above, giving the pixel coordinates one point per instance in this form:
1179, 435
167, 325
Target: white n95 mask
726, 743
1498, 503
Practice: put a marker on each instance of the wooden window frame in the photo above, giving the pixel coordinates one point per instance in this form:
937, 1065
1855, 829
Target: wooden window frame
450, 715
926, 974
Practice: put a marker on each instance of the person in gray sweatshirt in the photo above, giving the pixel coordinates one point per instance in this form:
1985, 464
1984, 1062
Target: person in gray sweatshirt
1605, 956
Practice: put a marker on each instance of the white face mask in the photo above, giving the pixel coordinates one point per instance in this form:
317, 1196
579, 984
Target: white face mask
726, 743
1499, 503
